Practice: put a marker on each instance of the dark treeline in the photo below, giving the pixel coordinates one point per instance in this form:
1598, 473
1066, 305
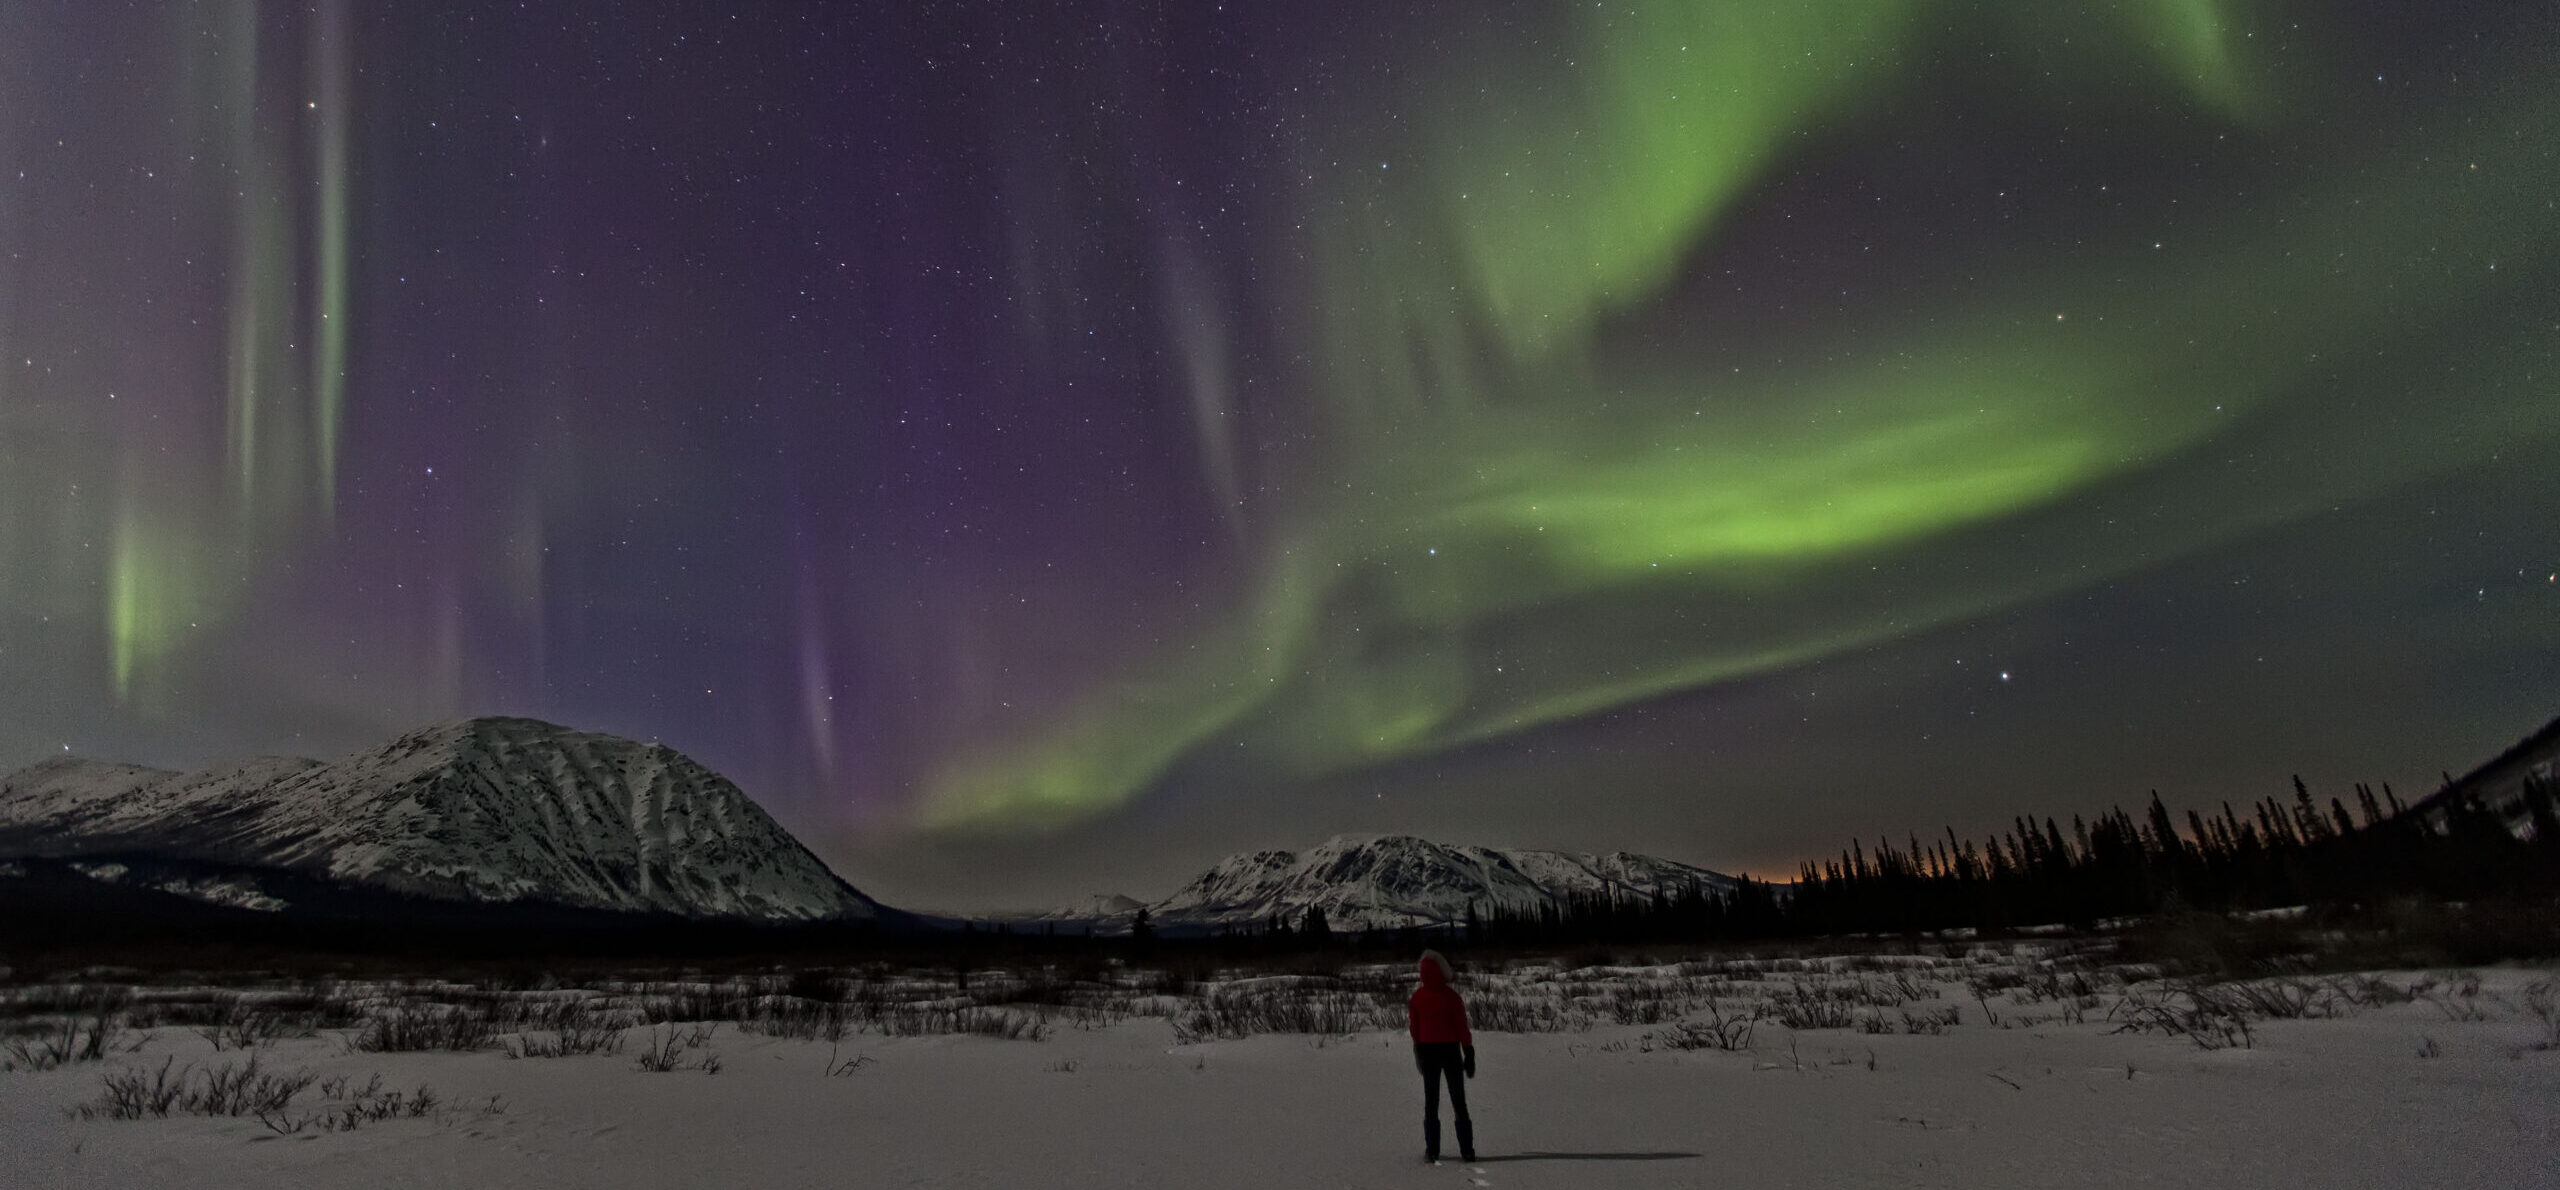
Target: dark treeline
2120, 865
2276, 854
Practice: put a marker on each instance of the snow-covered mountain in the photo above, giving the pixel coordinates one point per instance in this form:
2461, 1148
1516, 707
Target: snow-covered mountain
1098, 907
1391, 881
492, 810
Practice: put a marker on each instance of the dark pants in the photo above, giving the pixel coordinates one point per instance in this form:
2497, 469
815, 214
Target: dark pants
1439, 1060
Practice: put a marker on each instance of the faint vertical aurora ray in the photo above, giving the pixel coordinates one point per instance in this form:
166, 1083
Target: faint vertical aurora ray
817, 680
181, 556
279, 443
165, 535
259, 272
333, 62
128, 602
1187, 293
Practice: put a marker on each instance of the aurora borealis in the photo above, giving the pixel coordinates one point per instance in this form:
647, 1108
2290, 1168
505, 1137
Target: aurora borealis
1036, 449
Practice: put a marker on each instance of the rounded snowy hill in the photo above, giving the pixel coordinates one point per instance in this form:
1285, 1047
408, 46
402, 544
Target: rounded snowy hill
1391, 881
493, 810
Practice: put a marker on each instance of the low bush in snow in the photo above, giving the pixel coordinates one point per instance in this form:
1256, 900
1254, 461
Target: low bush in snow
667, 1050
249, 1089
413, 1028
567, 1028
93, 1029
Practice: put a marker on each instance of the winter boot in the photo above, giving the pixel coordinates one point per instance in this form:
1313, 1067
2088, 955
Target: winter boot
1466, 1139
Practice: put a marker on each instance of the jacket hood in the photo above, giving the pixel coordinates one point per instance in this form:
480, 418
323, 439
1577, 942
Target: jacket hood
1435, 970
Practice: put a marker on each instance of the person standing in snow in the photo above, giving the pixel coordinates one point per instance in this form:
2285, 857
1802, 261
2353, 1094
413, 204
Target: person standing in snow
1444, 1049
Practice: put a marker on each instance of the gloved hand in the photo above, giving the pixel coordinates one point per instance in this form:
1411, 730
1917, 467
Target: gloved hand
1471, 1061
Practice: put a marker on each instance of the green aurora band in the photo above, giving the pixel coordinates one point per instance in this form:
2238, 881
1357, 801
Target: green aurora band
178, 560
1515, 529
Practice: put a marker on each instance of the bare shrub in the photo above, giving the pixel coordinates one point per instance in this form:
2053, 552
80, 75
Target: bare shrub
234, 1089
1642, 1001
245, 1089
93, 1027
1243, 1012
237, 1025
1994, 981
350, 1109
573, 1027
796, 1018
2053, 982
923, 1021
71, 1040
596, 1038
416, 1028
1496, 1010
136, 1093
1048, 987
839, 1068
667, 1048
2459, 998
1726, 1031
2286, 999
691, 1003
2542, 1002
1872, 993
1813, 1006
2365, 991
2202, 1013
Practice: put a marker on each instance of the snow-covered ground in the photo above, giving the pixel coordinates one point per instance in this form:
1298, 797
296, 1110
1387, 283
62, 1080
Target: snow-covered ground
2395, 1079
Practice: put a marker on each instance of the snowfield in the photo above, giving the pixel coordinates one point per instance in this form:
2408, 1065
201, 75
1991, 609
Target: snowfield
2001, 1067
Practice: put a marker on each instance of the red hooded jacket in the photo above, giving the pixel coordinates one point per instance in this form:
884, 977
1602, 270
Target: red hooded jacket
1435, 1013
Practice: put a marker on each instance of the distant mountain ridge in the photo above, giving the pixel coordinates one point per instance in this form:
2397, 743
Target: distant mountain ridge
1394, 881
493, 811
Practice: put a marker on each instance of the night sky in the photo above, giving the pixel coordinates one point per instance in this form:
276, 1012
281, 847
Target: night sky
1036, 449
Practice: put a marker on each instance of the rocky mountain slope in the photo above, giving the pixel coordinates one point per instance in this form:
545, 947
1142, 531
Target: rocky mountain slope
492, 810
1392, 881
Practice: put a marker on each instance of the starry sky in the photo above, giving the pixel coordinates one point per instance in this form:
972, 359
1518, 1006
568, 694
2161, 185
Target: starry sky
1038, 449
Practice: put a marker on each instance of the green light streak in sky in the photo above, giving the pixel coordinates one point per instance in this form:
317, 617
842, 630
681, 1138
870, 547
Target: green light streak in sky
181, 555
332, 61
1537, 533
1193, 694
256, 268
1574, 189
2196, 41
1678, 107
153, 585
